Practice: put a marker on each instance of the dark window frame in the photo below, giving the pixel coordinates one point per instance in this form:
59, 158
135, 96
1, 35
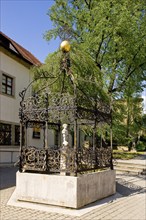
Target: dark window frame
5, 134
7, 84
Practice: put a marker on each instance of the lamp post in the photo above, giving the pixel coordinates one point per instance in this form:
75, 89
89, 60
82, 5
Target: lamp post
65, 47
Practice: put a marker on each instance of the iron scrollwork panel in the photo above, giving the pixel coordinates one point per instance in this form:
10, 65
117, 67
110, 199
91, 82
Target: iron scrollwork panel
73, 161
33, 159
89, 159
53, 160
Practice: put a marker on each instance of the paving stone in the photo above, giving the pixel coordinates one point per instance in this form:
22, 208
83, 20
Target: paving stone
129, 207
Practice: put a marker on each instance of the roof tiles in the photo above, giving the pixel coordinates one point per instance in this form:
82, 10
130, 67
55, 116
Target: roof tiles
22, 52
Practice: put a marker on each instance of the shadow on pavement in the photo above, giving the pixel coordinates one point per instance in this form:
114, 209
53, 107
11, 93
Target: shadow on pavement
7, 177
126, 188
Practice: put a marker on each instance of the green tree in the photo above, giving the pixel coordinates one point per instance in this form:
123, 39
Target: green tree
59, 76
107, 54
127, 115
112, 32
144, 121
127, 121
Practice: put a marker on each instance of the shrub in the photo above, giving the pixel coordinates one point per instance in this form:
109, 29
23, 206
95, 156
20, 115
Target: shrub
141, 146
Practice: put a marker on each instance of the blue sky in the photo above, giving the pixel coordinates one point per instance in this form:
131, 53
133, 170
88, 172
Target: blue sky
26, 21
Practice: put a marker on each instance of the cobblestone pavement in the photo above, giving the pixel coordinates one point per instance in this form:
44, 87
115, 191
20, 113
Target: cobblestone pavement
131, 206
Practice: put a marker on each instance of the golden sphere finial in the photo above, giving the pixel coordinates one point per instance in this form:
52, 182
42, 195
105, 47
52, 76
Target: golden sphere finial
65, 46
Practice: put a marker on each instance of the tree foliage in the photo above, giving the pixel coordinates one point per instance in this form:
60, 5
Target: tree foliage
62, 72
127, 119
108, 52
112, 32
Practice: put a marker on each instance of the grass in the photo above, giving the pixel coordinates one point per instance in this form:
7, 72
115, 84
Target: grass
126, 155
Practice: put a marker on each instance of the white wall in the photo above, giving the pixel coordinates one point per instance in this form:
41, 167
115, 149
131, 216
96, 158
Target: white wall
9, 106
40, 142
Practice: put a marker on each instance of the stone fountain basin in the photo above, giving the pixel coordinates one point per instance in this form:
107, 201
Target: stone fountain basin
66, 191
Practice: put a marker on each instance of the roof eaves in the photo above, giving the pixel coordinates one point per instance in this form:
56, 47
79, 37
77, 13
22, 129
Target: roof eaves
22, 52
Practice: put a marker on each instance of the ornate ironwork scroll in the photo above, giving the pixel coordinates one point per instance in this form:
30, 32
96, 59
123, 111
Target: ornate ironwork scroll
90, 159
53, 160
60, 107
33, 159
50, 160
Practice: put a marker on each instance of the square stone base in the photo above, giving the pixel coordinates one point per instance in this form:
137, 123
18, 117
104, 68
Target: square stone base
67, 191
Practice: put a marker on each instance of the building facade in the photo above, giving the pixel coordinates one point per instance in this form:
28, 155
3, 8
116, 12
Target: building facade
15, 75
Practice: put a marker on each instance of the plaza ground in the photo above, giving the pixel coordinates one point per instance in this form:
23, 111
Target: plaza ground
129, 203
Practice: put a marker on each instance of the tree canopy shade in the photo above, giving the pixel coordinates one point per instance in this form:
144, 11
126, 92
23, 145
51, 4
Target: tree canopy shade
111, 32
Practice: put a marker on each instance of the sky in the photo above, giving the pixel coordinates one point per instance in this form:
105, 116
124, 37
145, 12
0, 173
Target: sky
26, 21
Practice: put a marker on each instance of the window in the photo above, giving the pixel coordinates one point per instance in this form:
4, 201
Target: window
5, 134
17, 134
7, 85
36, 133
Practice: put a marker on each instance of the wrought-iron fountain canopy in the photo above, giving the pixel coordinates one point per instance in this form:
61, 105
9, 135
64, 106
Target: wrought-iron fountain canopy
71, 110
51, 111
